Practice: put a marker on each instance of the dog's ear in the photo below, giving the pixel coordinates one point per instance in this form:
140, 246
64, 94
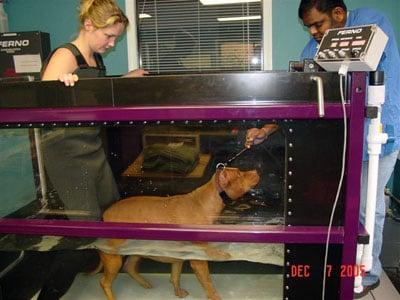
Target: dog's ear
223, 179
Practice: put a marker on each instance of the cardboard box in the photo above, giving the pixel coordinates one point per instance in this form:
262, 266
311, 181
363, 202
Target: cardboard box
22, 53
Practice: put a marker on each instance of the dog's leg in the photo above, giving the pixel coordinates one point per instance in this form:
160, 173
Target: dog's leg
176, 270
112, 263
200, 268
132, 268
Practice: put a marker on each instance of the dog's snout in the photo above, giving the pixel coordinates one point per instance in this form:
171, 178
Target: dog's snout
254, 177
255, 172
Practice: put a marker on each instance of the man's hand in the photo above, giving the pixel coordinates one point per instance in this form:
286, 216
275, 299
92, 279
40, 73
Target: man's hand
255, 136
136, 73
68, 79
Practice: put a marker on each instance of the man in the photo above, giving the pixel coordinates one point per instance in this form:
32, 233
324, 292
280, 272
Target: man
321, 15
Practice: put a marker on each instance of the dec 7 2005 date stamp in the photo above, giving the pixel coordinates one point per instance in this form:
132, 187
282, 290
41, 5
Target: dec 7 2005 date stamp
305, 271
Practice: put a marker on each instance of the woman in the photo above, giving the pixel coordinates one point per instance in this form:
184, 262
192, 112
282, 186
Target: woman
75, 161
74, 158
101, 23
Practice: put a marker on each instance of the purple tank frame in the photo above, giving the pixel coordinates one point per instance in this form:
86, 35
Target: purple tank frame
346, 235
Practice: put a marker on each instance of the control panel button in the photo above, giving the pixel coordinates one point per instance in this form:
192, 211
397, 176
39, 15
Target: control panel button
342, 53
331, 54
355, 53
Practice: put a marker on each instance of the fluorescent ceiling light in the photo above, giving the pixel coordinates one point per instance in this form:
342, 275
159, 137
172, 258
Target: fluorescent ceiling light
239, 18
144, 16
219, 2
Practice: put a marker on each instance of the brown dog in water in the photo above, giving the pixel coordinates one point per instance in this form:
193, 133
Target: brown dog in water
199, 207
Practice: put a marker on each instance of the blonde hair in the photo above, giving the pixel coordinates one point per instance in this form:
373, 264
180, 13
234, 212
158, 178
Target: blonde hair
102, 13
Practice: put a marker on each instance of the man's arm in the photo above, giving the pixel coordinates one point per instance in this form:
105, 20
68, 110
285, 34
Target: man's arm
255, 136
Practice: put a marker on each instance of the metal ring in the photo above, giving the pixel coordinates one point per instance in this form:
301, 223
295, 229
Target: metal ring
220, 166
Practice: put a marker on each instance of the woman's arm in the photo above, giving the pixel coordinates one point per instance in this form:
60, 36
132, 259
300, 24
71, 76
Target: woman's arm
61, 66
136, 73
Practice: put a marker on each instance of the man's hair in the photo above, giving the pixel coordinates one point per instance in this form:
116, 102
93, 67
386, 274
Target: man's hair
324, 6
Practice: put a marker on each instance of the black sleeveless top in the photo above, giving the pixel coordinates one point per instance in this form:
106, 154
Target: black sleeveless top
74, 158
83, 70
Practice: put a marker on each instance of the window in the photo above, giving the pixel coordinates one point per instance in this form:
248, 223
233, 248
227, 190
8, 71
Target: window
188, 36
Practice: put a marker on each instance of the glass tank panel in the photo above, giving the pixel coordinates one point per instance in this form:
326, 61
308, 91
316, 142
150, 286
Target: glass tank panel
182, 174
168, 172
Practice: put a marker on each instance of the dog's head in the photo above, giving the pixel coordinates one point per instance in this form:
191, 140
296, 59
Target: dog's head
236, 183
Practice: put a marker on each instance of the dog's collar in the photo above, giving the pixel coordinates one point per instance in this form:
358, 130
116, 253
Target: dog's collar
225, 198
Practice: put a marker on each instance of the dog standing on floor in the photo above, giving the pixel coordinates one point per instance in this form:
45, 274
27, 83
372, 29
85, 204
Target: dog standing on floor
199, 207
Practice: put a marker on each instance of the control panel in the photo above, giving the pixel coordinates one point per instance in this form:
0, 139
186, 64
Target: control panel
360, 48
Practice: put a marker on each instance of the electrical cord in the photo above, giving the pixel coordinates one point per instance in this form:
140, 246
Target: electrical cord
343, 73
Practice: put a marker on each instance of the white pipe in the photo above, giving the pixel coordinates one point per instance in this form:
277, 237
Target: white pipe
373, 165
375, 139
358, 288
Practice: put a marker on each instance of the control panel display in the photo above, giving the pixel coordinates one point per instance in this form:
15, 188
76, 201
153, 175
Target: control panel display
360, 48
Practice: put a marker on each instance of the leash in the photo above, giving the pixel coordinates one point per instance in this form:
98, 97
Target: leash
221, 166
237, 155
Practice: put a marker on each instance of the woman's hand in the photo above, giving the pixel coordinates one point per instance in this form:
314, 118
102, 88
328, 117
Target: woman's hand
68, 79
136, 73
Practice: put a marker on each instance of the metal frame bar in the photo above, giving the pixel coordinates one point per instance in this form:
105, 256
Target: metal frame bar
11, 117
353, 179
214, 233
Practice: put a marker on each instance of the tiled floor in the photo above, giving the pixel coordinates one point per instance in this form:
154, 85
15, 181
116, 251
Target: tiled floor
87, 287
385, 291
